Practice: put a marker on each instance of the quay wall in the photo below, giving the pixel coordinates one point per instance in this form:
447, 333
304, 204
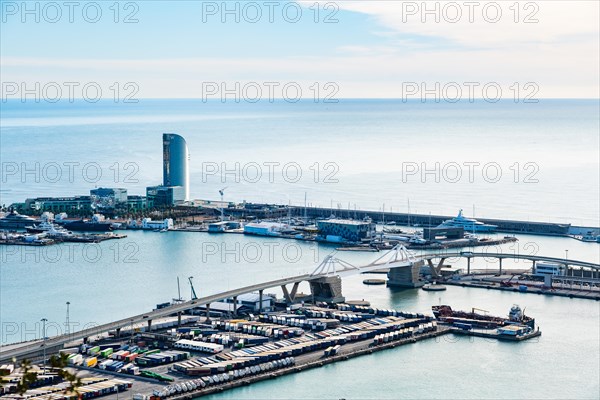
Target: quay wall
507, 226
366, 348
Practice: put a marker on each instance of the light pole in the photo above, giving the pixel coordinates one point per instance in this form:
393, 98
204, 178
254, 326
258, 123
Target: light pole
566, 258
44, 339
67, 323
222, 193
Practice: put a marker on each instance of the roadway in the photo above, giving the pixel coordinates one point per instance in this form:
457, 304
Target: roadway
469, 254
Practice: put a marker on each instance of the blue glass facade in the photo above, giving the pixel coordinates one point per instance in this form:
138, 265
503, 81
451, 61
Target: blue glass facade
176, 162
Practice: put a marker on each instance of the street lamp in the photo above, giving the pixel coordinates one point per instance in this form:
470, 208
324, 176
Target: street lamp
44, 320
131, 320
67, 323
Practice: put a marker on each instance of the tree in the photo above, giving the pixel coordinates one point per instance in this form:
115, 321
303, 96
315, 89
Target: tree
59, 363
28, 378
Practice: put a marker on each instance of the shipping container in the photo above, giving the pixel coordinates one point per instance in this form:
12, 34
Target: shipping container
106, 352
90, 362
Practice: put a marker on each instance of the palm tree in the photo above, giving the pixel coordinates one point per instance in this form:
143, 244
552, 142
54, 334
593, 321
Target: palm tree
59, 363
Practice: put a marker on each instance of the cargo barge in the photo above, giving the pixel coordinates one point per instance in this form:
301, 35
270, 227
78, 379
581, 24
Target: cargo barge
512, 333
516, 316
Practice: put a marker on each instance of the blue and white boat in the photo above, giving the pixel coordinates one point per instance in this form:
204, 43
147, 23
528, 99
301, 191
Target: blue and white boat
469, 224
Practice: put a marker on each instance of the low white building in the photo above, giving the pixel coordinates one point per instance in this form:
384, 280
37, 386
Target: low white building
251, 302
166, 223
265, 228
147, 223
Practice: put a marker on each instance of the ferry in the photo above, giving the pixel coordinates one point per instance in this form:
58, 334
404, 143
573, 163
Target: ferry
516, 316
469, 224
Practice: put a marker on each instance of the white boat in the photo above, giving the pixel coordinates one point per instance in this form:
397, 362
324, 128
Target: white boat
43, 227
57, 232
416, 239
469, 224
14, 220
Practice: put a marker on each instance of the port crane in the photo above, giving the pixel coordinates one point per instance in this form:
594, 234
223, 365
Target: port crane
194, 297
507, 283
179, 299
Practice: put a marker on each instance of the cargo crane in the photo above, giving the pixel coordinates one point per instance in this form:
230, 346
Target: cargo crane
179, 299
194, 297
507, 283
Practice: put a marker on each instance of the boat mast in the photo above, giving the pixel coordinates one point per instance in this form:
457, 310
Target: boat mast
305, 219
408, 201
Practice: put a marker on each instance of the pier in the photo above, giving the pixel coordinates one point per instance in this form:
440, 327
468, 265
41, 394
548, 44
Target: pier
427, 220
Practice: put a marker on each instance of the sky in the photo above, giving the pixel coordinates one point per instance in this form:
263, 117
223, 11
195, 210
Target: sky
344, 49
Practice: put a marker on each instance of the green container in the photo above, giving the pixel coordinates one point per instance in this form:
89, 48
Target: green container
106, 352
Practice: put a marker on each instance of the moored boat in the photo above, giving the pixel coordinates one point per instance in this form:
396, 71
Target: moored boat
14, 220
516, 315
468, 224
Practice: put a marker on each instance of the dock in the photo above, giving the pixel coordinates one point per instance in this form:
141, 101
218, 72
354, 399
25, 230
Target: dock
316, 361
493, 334
427, 220
579, 294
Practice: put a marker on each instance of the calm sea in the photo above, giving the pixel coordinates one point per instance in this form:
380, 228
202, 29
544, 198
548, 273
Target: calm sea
537, 162
370, 145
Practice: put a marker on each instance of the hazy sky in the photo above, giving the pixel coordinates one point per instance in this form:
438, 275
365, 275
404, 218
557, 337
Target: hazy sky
366, 48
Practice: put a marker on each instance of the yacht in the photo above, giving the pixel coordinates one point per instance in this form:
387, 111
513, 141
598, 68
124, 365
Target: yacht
42, 227
416, 239
58, 232
14, 220
97, 224
469, 224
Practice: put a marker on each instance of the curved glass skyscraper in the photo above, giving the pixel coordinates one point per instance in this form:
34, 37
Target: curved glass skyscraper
176, 162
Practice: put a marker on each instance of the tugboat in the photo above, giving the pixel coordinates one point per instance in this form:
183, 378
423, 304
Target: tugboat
517, 316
